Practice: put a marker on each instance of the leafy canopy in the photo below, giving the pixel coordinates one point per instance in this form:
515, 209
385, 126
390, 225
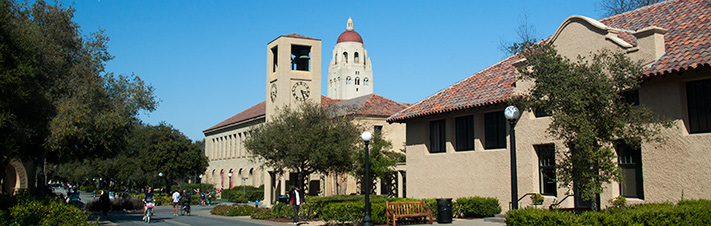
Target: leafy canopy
305, 139
589, 113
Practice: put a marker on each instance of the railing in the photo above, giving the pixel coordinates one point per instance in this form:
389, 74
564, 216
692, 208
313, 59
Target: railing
519, 199
556, 204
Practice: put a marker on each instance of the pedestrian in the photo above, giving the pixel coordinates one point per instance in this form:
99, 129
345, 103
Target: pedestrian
296, 199
202, 198
104, 202
176, 200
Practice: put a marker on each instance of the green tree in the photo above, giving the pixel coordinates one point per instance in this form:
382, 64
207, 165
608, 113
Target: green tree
166, 150
382, 159
57, 102
588, 111
307, 139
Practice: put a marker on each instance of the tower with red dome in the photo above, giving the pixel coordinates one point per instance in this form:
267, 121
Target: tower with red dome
350, 73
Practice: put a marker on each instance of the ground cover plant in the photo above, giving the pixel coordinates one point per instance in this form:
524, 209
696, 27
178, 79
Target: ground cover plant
33, 210
685, 212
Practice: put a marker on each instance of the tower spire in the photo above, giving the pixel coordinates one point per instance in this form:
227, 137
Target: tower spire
349, 24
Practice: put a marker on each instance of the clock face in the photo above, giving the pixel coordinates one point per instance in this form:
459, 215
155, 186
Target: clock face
300, 91
273, 92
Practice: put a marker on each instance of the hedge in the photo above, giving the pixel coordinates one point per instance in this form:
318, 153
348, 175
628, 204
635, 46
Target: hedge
236, 194
233, 210
31, 210
477, 207
686, 212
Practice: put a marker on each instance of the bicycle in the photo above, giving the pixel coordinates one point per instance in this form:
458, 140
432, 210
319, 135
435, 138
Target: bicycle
185, 210
149, 211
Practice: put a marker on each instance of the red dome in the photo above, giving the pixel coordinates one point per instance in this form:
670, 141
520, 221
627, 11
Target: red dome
349, 36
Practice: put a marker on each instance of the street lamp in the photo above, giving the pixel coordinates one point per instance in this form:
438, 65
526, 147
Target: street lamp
244, 188
367, 221
230, 176
160, 174
512, 114
201, 183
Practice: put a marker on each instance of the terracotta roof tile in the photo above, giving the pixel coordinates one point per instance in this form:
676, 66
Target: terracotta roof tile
688, 45
688, 42
253, 112
295, 35
370, 105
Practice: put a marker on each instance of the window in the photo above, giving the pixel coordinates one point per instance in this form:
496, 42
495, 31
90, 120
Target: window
630, 162
365, 81
437, 142
348, 80
355, 55
698, 100
357, 81
377, 130
546, 169
631, 97
539, 113
464, 127
345, 57
495, 130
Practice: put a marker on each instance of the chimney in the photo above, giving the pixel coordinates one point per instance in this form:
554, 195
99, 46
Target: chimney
650, 41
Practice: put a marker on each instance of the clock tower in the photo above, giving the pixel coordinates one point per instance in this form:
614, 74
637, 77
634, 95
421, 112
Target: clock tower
293, 72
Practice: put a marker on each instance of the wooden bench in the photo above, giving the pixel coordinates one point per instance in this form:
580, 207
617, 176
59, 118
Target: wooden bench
395, 210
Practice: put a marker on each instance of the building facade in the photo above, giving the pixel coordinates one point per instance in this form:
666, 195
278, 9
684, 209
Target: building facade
293, 77
462, 146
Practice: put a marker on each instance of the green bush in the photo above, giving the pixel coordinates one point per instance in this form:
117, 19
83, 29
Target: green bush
477, 206
233, 210
30, 210
686, 212
250, 194
261, 214
220, 210
88, 189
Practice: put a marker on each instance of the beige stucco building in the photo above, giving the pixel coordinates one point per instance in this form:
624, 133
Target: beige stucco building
294, 76
458, 141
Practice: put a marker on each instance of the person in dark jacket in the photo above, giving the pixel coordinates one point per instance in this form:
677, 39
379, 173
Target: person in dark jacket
104, 202
296, 199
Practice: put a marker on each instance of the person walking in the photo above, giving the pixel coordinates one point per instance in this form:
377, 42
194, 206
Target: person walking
296, 199
176, 200
104, 202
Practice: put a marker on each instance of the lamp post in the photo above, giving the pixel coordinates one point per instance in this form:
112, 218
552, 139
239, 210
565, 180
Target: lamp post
229, 175
367, 221
160, 174
244, 188
512, 114
201, 183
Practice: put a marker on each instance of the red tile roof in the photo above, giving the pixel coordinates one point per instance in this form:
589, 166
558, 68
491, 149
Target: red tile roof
349, 36
253, 112
688, 45
368, 105
489, 86
295, 35
688, 42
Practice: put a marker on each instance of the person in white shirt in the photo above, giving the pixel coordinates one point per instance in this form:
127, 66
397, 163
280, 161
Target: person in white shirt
176, 199
296, 198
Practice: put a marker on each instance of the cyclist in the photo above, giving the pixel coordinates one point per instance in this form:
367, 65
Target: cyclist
186, 201
149, 197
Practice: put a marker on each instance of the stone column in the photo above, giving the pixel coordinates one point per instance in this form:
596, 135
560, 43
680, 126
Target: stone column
399, 185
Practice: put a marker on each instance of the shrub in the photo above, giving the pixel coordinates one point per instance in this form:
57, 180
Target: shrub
619, 201
537, 199
686, 212
233, 210
262, 214
242, 195
478, 206
220, 210
30, 210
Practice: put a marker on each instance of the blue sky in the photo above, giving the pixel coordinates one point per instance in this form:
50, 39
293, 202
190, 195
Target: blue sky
207, 59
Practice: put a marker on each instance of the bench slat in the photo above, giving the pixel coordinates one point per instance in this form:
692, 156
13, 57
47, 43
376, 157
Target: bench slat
396, 210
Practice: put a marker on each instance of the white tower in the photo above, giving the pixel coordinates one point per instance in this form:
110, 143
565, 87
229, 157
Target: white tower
350, 73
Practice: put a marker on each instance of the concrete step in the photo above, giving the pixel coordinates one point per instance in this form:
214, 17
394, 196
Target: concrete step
498, 218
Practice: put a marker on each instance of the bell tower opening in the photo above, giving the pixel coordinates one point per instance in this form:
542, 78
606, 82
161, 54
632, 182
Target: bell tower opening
300, 57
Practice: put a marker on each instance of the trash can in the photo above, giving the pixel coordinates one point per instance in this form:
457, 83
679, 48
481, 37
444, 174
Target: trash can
444, 211
283, 199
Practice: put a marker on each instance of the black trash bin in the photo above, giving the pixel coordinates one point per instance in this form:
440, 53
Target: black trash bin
283, 199
444, 211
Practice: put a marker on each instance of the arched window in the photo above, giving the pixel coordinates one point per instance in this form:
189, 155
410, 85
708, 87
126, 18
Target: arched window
365, 81
345, 56
335, 58
355, 55
348, 80
357, 81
